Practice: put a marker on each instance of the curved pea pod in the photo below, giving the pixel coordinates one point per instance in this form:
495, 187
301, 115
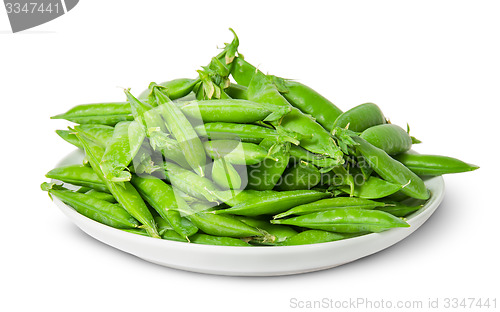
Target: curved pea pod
182, 130
233, 110
100, 133
388, 137
217, 240
236, 91
302, 176
314, 237
167, 232
308, 101
101, 195
225, 175
298, 153
233, 131
314, 137
96, 209
373, 188
434, 165
278, 233
191, 183
175, 89
121, 150
274, 203
99, 113
236, 152
214, 224
242, 71
246, 195
78, 175
162, 198
266, 174
346, 221
126, 195
361, 117
330, 204
392, 170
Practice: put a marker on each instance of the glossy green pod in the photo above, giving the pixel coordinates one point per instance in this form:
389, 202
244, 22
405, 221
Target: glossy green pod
388, 137
361, 117
99, 113
434, 165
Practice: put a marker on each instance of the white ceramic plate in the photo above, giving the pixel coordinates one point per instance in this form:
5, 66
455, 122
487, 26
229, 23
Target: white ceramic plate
250, 261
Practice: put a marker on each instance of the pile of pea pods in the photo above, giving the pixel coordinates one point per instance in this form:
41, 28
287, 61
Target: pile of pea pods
236, 157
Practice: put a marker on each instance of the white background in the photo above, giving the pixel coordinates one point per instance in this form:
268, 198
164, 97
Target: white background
433, 64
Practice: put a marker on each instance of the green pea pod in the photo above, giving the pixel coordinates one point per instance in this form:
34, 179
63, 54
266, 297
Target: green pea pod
99, 113
434, 165
361, 117
314, 237
78, 175
225, 175
162, 198
392, 170
330, 204
346, 221
175, 89
69, 137
274, 203
399, 209
101, 195
246, 195
227, 131
308, 101
182, 130
236, 91
214, 224
125, 194
314, 137
279, 233
217, 240
388, 137
236, 152
121, 150
301, 176
266, 174
92, 207
191, 183
298, 153
230, 110
374, 188
99, 133
141, 232
242, 71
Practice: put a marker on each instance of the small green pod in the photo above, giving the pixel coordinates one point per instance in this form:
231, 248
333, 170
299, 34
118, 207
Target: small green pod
301, 176
242, 71
121, 150
99, 113
388, 137
236, 91
346, 221
233, 131
392, 170
225, 175
314, 237
181, 129
279, 233
101, 195
219, 225
433, 165
126, 195
236, 152
175, 89
69, 137
162, 198
373, 188
361, 117
330, 204
78, 175
191, 183
274, 203
236, 111
99, 133
398, 209
309, 101
217, 240
96, 209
